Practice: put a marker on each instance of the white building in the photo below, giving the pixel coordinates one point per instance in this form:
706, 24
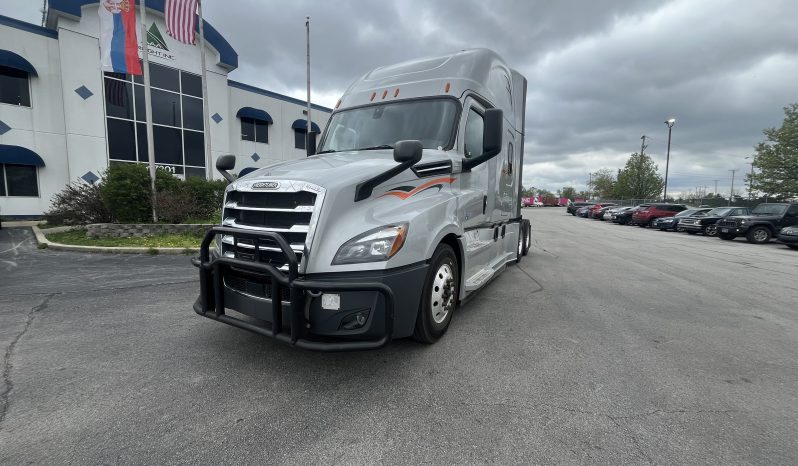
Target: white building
63, 120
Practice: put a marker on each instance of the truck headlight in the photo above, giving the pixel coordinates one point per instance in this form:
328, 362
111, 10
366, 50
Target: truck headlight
379, 244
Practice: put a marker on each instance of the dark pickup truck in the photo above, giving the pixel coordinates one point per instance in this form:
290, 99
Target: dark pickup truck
765, 222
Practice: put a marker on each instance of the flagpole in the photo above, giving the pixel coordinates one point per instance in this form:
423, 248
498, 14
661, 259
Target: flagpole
205, 107
148, 106
310, 122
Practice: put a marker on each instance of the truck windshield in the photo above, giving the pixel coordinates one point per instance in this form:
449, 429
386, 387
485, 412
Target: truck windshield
381, 126
769, 209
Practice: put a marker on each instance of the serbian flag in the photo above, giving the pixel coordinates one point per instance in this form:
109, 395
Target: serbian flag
119, 51
180, 19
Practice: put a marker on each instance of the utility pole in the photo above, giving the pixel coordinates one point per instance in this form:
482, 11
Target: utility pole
716, 187
590, 187
670, 123
731, 192
643, 144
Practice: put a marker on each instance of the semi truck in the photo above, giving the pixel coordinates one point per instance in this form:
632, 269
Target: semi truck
410, 206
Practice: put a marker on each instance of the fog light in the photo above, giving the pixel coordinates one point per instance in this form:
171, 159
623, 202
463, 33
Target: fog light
355, 320
331, 301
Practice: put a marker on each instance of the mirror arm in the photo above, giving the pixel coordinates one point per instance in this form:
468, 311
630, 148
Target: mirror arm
364, 189
468, 164
226, 174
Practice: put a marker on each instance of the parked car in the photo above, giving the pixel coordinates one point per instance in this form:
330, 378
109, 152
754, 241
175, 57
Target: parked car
625, 217
765, 221
599, 213
574, 206
610, 214
582, 211
707, 223
644, 217
675, 222
595, 209
789, 236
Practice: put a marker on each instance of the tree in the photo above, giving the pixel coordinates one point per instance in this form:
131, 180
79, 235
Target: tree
777, 159
568, 192
603, 183
639, 179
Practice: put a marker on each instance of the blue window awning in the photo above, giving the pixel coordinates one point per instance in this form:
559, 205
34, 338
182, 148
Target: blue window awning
255, 114
17, 155
302, 125
12, 60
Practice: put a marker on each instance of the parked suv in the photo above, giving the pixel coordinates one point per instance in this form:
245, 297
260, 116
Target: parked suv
644, 217
624, 217
765, 221
675, 222
707, 223
574, 206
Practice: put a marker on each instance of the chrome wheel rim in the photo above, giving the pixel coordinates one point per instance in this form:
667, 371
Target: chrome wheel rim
760, 235
443, 293
712, 230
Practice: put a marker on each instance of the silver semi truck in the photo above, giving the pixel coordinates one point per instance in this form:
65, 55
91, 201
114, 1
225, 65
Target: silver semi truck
411, 204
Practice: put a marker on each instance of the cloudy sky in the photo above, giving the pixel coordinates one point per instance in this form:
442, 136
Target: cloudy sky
601, 72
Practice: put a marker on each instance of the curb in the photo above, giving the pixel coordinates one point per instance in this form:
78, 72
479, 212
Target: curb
41, 239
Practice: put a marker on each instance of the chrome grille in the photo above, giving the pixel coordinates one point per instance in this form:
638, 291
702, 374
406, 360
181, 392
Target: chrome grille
727, 222
289, 213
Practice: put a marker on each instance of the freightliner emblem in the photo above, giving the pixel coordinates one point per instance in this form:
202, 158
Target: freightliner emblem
266, 185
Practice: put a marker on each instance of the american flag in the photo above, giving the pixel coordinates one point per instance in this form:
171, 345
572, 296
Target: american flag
180, 19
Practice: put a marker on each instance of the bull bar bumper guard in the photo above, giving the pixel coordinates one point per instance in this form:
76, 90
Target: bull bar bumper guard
211, 300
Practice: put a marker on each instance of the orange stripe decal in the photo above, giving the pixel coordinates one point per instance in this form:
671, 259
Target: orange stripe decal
404, 195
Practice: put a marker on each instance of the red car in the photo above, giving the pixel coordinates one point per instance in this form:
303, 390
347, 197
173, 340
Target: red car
593, 212
644, 217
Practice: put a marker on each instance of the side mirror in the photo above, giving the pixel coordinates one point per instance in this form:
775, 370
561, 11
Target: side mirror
408, 152
491, 138
225, 163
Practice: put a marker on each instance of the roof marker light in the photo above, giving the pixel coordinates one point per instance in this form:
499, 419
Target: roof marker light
373, 95
446, 87
396, 92
384, 93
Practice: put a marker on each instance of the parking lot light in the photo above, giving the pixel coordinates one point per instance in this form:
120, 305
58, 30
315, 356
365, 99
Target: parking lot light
670, 123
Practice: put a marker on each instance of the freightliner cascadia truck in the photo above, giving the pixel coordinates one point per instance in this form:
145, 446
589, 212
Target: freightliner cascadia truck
411, 204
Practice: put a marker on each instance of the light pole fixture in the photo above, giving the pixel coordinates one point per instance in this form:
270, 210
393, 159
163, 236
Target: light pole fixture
670, 122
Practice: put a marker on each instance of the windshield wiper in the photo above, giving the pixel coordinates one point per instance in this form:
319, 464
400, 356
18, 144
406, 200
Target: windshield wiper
383, 146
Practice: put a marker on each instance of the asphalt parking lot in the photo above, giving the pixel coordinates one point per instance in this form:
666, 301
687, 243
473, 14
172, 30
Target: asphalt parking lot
608, 344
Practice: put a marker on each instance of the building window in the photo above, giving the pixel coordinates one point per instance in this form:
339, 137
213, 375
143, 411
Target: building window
178, 129
299, 139
19, 180
14, 88
254, 130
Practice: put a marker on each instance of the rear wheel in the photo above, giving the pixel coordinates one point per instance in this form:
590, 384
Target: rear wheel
439, 297
711, 230
758, 235
527, 236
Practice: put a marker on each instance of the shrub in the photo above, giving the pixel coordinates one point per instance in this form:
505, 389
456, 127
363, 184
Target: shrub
126, 192
79, 203
206, 194
174, 206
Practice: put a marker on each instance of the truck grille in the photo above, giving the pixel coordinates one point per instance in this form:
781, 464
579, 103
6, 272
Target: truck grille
286, 213
727, 222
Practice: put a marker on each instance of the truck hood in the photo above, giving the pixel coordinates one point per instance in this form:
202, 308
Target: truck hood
340, 169
767, 217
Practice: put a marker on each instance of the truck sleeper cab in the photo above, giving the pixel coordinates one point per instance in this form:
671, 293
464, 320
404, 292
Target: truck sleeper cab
411, 204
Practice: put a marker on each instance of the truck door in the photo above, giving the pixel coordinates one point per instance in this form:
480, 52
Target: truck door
478, 186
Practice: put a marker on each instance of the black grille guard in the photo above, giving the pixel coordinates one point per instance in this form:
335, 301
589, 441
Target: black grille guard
211, 300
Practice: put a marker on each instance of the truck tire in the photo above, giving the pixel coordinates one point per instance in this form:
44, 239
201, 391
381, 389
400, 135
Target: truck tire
439, 297
528, 237
758, 235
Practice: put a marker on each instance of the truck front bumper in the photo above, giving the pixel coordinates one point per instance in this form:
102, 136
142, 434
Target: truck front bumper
365, 310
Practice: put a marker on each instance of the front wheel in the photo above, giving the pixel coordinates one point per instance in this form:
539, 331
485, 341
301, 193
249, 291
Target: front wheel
711, 230
439, 297
758, 235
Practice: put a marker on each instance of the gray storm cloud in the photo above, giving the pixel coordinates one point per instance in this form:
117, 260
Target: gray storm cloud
601, 73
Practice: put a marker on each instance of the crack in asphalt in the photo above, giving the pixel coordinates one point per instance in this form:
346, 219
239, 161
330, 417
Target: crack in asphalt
7, 365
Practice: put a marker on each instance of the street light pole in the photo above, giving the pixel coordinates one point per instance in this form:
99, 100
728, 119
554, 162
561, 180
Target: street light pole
670, 123
731, 191
751, 179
